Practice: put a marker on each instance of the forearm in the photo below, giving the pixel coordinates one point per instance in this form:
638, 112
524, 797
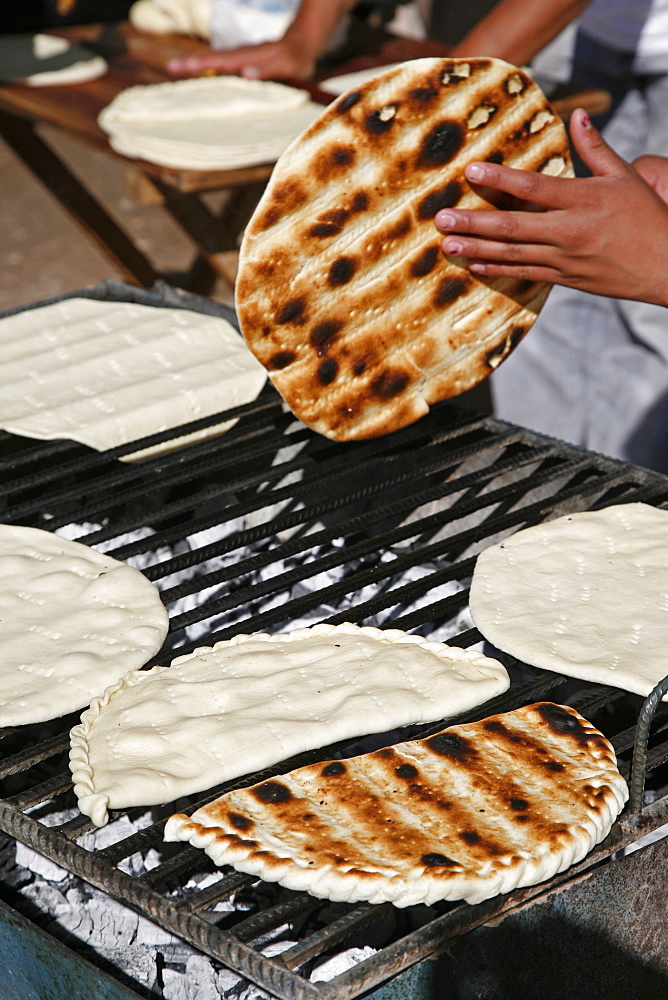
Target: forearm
515, 30
315, 23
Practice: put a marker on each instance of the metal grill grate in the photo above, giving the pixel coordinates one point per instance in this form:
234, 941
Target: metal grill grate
270, 524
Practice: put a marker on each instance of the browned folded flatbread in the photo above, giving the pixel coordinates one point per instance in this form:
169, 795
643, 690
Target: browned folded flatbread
476, 810
343, 292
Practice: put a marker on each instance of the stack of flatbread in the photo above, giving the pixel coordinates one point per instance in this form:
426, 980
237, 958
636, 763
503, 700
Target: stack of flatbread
476, 810
349, 81
106, 373
343, 292
207, 123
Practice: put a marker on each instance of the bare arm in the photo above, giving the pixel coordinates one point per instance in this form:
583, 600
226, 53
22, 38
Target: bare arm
606, 234
515, 30
294, 55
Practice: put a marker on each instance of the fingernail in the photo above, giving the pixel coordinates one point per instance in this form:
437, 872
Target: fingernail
585, 120
475, 172
446, 220
453, 246
250, 72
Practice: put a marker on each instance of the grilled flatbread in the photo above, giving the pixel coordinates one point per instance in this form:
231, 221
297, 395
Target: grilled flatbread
343, 292
477, 810
72, 621
254, 700
583, 595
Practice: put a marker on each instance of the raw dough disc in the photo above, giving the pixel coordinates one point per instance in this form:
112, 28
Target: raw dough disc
47, 61
107, 373
585, 595
254, 700
72, 621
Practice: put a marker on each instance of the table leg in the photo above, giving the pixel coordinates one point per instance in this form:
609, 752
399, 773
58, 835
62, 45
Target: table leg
48, 168
214, 235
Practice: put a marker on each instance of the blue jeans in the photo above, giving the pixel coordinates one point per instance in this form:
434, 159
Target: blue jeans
594, 371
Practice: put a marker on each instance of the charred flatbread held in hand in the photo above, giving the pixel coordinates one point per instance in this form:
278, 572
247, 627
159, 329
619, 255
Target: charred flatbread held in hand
72, 621
474, 811
343, 292
583, 595
254, 700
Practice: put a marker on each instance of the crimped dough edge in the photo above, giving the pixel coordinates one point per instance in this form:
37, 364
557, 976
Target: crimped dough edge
402, 891
95, 804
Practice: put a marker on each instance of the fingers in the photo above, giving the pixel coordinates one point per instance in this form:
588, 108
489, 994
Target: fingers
520, 272
654, 171
512, 226
526, 185
491, 258
476, 250
593, 149
242, 60
198, 65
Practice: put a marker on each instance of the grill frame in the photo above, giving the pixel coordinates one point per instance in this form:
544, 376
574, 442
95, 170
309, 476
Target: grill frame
453, 462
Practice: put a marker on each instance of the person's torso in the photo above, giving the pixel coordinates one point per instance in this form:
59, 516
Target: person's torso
639, 26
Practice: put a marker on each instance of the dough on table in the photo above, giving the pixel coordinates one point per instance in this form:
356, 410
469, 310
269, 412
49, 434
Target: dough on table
42, 60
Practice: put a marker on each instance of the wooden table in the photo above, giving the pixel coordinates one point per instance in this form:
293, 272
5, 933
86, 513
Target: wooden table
141, 59
73, 109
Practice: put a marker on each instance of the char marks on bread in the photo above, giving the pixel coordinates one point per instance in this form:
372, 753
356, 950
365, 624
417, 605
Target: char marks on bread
343, 292
473, 811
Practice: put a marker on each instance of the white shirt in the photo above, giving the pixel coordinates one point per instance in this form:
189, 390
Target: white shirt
249, 22
639, 26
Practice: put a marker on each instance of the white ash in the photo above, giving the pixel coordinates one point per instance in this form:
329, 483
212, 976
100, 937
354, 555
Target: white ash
314, 582
139, 948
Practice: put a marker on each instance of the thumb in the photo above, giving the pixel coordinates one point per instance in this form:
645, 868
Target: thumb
593, 149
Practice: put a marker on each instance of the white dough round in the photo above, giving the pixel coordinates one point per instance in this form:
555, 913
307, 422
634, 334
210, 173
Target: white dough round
253, 700
72, 622
107, 373
585, 595
43, 60
165, 17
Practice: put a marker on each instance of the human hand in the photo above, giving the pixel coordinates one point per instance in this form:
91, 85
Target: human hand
606, 234
654, 170
284, 59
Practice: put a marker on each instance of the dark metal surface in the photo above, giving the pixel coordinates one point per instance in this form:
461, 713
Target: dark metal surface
643, 731
601, 936
36, 966
237, 532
